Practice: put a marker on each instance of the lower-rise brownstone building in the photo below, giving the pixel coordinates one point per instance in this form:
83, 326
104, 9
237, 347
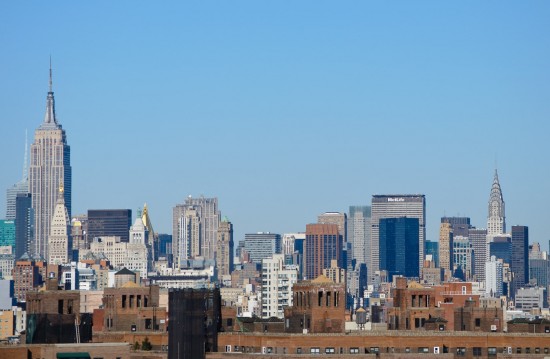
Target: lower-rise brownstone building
319, 306
130, 308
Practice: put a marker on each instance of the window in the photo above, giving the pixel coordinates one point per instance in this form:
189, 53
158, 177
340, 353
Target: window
354, 350
546, 351
461, 351
491, 351
518, 350
314, 350
407, 350
477, 351
528, 350
537, 350
423, 350
375, 350
478, 322
298, 350
329, 351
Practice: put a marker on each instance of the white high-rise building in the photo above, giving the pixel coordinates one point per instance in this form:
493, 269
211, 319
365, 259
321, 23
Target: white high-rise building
359, 230
395, 206
60, 230
277, 282
50, 168
493, 277
139, 251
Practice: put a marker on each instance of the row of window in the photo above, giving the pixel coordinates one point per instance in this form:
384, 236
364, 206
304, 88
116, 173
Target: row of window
461, 351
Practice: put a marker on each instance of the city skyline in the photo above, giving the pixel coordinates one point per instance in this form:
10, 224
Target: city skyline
422, 115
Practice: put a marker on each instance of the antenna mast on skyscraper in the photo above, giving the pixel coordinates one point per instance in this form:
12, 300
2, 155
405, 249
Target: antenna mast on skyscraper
51, 87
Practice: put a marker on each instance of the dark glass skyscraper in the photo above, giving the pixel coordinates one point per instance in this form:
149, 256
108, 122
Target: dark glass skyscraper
24, 224
399, 246
109, 222
520, 256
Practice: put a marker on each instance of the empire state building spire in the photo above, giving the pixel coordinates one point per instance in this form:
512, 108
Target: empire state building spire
49, 117
496, 218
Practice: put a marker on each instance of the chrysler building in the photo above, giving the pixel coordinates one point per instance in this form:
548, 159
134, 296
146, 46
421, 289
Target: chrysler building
496, 220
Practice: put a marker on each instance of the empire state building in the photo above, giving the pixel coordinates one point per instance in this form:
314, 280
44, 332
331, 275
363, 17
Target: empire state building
50, 168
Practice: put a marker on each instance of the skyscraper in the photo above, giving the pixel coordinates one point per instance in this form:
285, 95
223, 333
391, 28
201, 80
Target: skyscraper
7, 233
24, 224
60, 230
209, 216
446, 246
496, 219
323, 244
50, 168
20, 187
224, 252
262, 245
520, 256
359, 228
394, 206
109, 222
478, 238
399, 246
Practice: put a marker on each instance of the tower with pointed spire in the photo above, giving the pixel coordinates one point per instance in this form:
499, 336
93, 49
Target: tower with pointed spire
496, 219
59, 242
50, 166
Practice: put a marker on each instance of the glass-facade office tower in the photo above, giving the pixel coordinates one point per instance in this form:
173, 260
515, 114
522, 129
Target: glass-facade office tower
501, 248
520, 256
395, 206
262, 245
24, 224
399, 246
109, 222
50, 168
7, 233
359, 227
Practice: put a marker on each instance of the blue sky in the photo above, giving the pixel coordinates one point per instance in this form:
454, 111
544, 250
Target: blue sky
285, 110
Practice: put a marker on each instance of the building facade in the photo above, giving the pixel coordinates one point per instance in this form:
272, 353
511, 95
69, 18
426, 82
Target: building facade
446, 246
50, 168
520, 256
323, 244
394, 206
109, 223
359, 227
209, 218
496, 219
478, 238
224, 251
262, 245
398, 246
60, 230
277, 282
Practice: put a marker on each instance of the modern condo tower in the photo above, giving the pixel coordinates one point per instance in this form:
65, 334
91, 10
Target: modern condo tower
49, 169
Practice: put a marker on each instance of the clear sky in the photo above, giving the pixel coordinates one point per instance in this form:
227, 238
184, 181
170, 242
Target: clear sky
286, 109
